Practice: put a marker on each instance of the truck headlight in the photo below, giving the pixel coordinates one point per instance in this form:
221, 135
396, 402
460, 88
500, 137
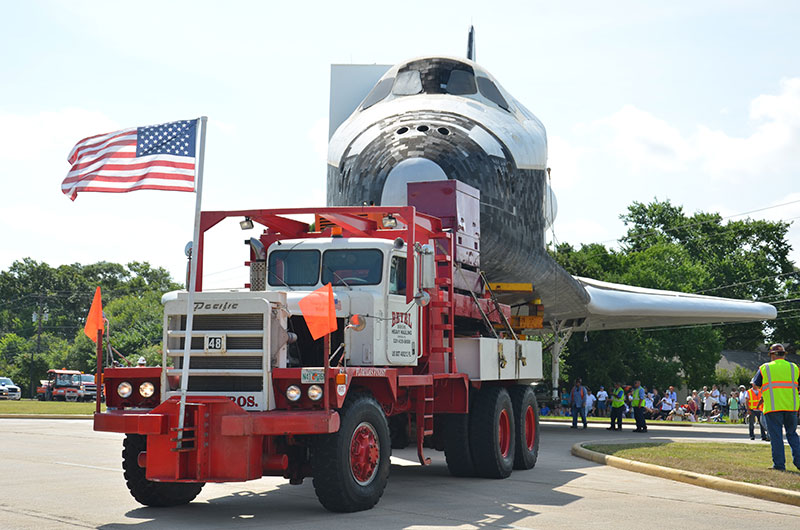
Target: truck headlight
124, 389
147, 389
314, 392
293, 393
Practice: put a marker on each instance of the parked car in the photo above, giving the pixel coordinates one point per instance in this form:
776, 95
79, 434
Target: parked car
8, 390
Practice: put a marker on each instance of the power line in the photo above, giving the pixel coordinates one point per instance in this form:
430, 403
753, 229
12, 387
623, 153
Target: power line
699, 223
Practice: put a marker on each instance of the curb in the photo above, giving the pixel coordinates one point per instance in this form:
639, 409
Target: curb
685, 425
46, 416
706, 481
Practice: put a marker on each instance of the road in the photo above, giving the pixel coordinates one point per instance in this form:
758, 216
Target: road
61, 474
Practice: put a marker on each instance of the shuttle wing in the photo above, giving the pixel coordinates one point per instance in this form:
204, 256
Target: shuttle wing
617, 306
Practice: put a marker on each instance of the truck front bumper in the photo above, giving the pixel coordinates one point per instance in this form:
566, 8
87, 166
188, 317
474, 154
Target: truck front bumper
270, 423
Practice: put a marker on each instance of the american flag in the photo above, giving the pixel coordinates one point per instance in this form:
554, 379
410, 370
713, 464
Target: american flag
155, 157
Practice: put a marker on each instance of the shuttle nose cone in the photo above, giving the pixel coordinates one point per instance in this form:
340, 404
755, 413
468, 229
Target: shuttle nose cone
409, 170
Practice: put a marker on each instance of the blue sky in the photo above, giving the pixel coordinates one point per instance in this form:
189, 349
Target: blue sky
697, 102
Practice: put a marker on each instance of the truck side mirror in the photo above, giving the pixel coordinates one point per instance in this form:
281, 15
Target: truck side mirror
427, 267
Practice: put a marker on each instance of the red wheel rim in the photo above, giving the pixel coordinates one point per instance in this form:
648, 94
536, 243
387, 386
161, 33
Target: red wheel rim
530, 428
504, 433
365, 453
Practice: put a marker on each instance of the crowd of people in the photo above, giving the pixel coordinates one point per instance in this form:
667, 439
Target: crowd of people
713, 404
772, 401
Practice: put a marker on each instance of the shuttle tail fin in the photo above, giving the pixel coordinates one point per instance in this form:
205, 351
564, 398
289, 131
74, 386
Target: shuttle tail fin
471, 44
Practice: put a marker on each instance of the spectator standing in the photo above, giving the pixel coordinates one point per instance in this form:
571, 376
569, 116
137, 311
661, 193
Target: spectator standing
733, 407
778, 380
708, 403
697, 401
723, 402
637, 403
673, 395
666, 406
704, 394
754, 408
564, 401
602, 400
742, 403
617, 407
577, 400
590, 400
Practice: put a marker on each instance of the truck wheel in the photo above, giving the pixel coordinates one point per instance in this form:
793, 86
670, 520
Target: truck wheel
148, 492
72, 396
526, 416
456, 445
351, 467
398, 430
491, 433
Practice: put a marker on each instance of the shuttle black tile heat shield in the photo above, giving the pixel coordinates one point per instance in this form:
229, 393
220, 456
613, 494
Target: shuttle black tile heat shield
512, 217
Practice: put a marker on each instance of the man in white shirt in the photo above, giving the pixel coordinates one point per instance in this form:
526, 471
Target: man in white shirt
602, 400
666, 405
590, 399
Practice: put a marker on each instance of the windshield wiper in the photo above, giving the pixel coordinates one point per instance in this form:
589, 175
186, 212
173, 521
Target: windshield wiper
282, 282
340, 278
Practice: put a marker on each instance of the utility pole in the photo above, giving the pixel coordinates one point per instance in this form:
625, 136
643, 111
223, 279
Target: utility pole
38, 317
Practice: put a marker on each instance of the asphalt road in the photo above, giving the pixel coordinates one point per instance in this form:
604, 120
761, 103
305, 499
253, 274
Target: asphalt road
61, 474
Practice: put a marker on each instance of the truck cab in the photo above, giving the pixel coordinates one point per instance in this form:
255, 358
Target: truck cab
368, 278
61, 385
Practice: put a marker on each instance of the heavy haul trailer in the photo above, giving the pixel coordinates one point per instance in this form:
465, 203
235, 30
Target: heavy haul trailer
415, 356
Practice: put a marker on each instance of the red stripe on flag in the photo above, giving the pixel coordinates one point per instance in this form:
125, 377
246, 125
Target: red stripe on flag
113, 154
94, 151
137, 178
85, 144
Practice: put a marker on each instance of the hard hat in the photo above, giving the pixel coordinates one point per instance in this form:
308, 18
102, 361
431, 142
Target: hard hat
777, 348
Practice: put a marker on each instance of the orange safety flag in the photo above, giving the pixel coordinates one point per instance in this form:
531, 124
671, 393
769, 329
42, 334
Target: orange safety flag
319, 311
94, 321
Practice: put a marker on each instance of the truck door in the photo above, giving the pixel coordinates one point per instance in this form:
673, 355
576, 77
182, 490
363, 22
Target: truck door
402, 318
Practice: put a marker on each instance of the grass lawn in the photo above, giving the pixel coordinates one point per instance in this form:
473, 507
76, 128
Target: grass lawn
32, 406
733, 461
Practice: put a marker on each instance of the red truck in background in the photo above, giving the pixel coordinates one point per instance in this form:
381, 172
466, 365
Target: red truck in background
422, 352
61, 385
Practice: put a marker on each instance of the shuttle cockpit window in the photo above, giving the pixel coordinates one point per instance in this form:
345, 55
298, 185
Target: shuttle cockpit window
435, 76
461, 83
381, 90
352, 267
407, 83
492, 93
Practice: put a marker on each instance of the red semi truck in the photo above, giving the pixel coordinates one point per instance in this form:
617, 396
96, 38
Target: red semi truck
422, 353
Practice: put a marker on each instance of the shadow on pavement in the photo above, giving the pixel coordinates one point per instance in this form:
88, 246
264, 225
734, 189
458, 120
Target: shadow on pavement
414, 496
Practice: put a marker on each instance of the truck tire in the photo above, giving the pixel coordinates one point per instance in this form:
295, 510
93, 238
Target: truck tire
148, 492
351, 466
71, 396
526, 417
491, 433
456, 445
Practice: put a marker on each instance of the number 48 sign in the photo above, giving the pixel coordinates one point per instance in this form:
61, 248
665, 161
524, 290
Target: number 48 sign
214, 343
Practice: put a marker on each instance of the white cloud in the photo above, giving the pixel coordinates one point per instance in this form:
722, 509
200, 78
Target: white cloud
646, 143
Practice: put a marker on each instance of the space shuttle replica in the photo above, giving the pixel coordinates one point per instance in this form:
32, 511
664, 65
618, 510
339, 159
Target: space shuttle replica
446, 118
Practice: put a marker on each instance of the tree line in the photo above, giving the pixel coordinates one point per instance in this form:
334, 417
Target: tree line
44, 310
665, 248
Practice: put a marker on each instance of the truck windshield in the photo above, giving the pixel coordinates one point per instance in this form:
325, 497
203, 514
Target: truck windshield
352, 267
293, 267
87, 378
68, 379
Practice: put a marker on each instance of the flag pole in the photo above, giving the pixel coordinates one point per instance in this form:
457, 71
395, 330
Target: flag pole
187, 346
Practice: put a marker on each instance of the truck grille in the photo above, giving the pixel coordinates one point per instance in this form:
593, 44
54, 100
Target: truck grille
240, 368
